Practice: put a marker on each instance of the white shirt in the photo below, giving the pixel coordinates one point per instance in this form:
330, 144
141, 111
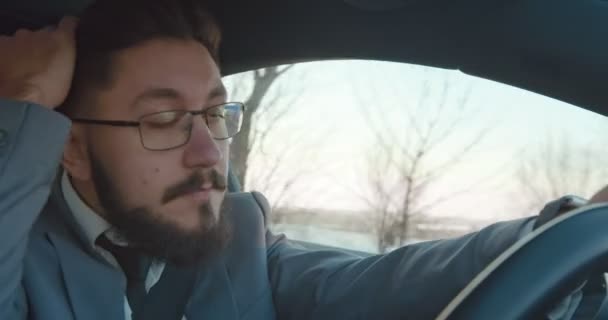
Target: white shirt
93, 226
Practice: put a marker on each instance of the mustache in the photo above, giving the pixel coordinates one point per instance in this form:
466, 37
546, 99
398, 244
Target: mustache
194, 183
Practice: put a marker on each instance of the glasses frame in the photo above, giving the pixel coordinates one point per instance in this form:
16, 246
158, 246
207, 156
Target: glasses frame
126, 123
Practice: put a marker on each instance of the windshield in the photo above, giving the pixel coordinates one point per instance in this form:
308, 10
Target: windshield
371, 155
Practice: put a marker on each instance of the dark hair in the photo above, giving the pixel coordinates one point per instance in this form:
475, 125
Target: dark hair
108, 26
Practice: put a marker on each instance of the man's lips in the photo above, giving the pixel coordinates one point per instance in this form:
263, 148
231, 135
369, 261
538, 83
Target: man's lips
201, 194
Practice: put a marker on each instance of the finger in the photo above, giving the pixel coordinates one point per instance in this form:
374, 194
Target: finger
68, 24
44, 32
22, 32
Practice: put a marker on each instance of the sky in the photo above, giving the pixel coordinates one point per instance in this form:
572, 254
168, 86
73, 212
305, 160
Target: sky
325, 138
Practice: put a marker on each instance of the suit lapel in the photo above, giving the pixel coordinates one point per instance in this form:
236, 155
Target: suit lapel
213, 297
95, 289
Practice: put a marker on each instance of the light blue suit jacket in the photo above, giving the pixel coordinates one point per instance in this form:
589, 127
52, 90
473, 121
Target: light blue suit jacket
48, 272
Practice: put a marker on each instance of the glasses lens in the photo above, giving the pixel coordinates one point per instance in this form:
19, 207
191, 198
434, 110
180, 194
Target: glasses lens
225, 121
165, 130
171, 129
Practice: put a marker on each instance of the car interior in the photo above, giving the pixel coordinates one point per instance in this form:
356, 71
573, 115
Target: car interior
556, 48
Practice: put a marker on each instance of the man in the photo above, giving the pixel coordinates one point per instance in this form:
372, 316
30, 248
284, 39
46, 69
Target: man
136, 224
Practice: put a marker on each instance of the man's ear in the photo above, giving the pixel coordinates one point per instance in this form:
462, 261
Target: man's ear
76, 159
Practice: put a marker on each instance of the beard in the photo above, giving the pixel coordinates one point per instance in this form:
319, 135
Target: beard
157, 237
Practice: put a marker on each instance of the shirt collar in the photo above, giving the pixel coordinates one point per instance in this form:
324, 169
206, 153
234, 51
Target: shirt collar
92, 224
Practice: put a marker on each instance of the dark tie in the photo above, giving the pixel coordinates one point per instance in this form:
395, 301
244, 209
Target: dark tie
168, 299
135, 265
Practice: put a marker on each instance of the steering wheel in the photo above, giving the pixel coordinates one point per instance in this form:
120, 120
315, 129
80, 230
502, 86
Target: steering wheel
528, 279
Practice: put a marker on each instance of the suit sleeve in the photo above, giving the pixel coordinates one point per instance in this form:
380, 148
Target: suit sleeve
31, 143
413, 282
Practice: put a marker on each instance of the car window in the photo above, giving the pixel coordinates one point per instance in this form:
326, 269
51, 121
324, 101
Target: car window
370, 155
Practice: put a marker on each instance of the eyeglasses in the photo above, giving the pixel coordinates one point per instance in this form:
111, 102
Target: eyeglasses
172, 129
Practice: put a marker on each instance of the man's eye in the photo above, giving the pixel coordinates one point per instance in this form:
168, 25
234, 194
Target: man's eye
216, 114
165, 119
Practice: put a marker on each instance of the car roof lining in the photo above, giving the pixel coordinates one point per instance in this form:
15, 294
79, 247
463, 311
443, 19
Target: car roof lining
553, 47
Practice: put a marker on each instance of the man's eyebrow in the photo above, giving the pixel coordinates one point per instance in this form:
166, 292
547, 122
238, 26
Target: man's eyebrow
157, 93
218, 92
167, 93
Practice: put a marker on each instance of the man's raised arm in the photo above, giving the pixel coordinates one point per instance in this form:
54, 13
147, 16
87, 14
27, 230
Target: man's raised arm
35, 75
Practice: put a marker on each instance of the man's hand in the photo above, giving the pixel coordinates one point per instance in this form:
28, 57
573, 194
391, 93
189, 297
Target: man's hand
600, 196
37, 66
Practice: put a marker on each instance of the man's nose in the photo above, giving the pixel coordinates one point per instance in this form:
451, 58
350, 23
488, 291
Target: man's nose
202, 150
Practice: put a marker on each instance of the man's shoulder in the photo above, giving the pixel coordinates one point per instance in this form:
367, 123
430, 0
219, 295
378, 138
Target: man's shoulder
52, 222
245, 213
252, 205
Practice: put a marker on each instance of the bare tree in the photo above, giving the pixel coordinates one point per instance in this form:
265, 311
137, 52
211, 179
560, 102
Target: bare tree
262, 81
260, 159
379, 200
407, 158
279, 173
557, 168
